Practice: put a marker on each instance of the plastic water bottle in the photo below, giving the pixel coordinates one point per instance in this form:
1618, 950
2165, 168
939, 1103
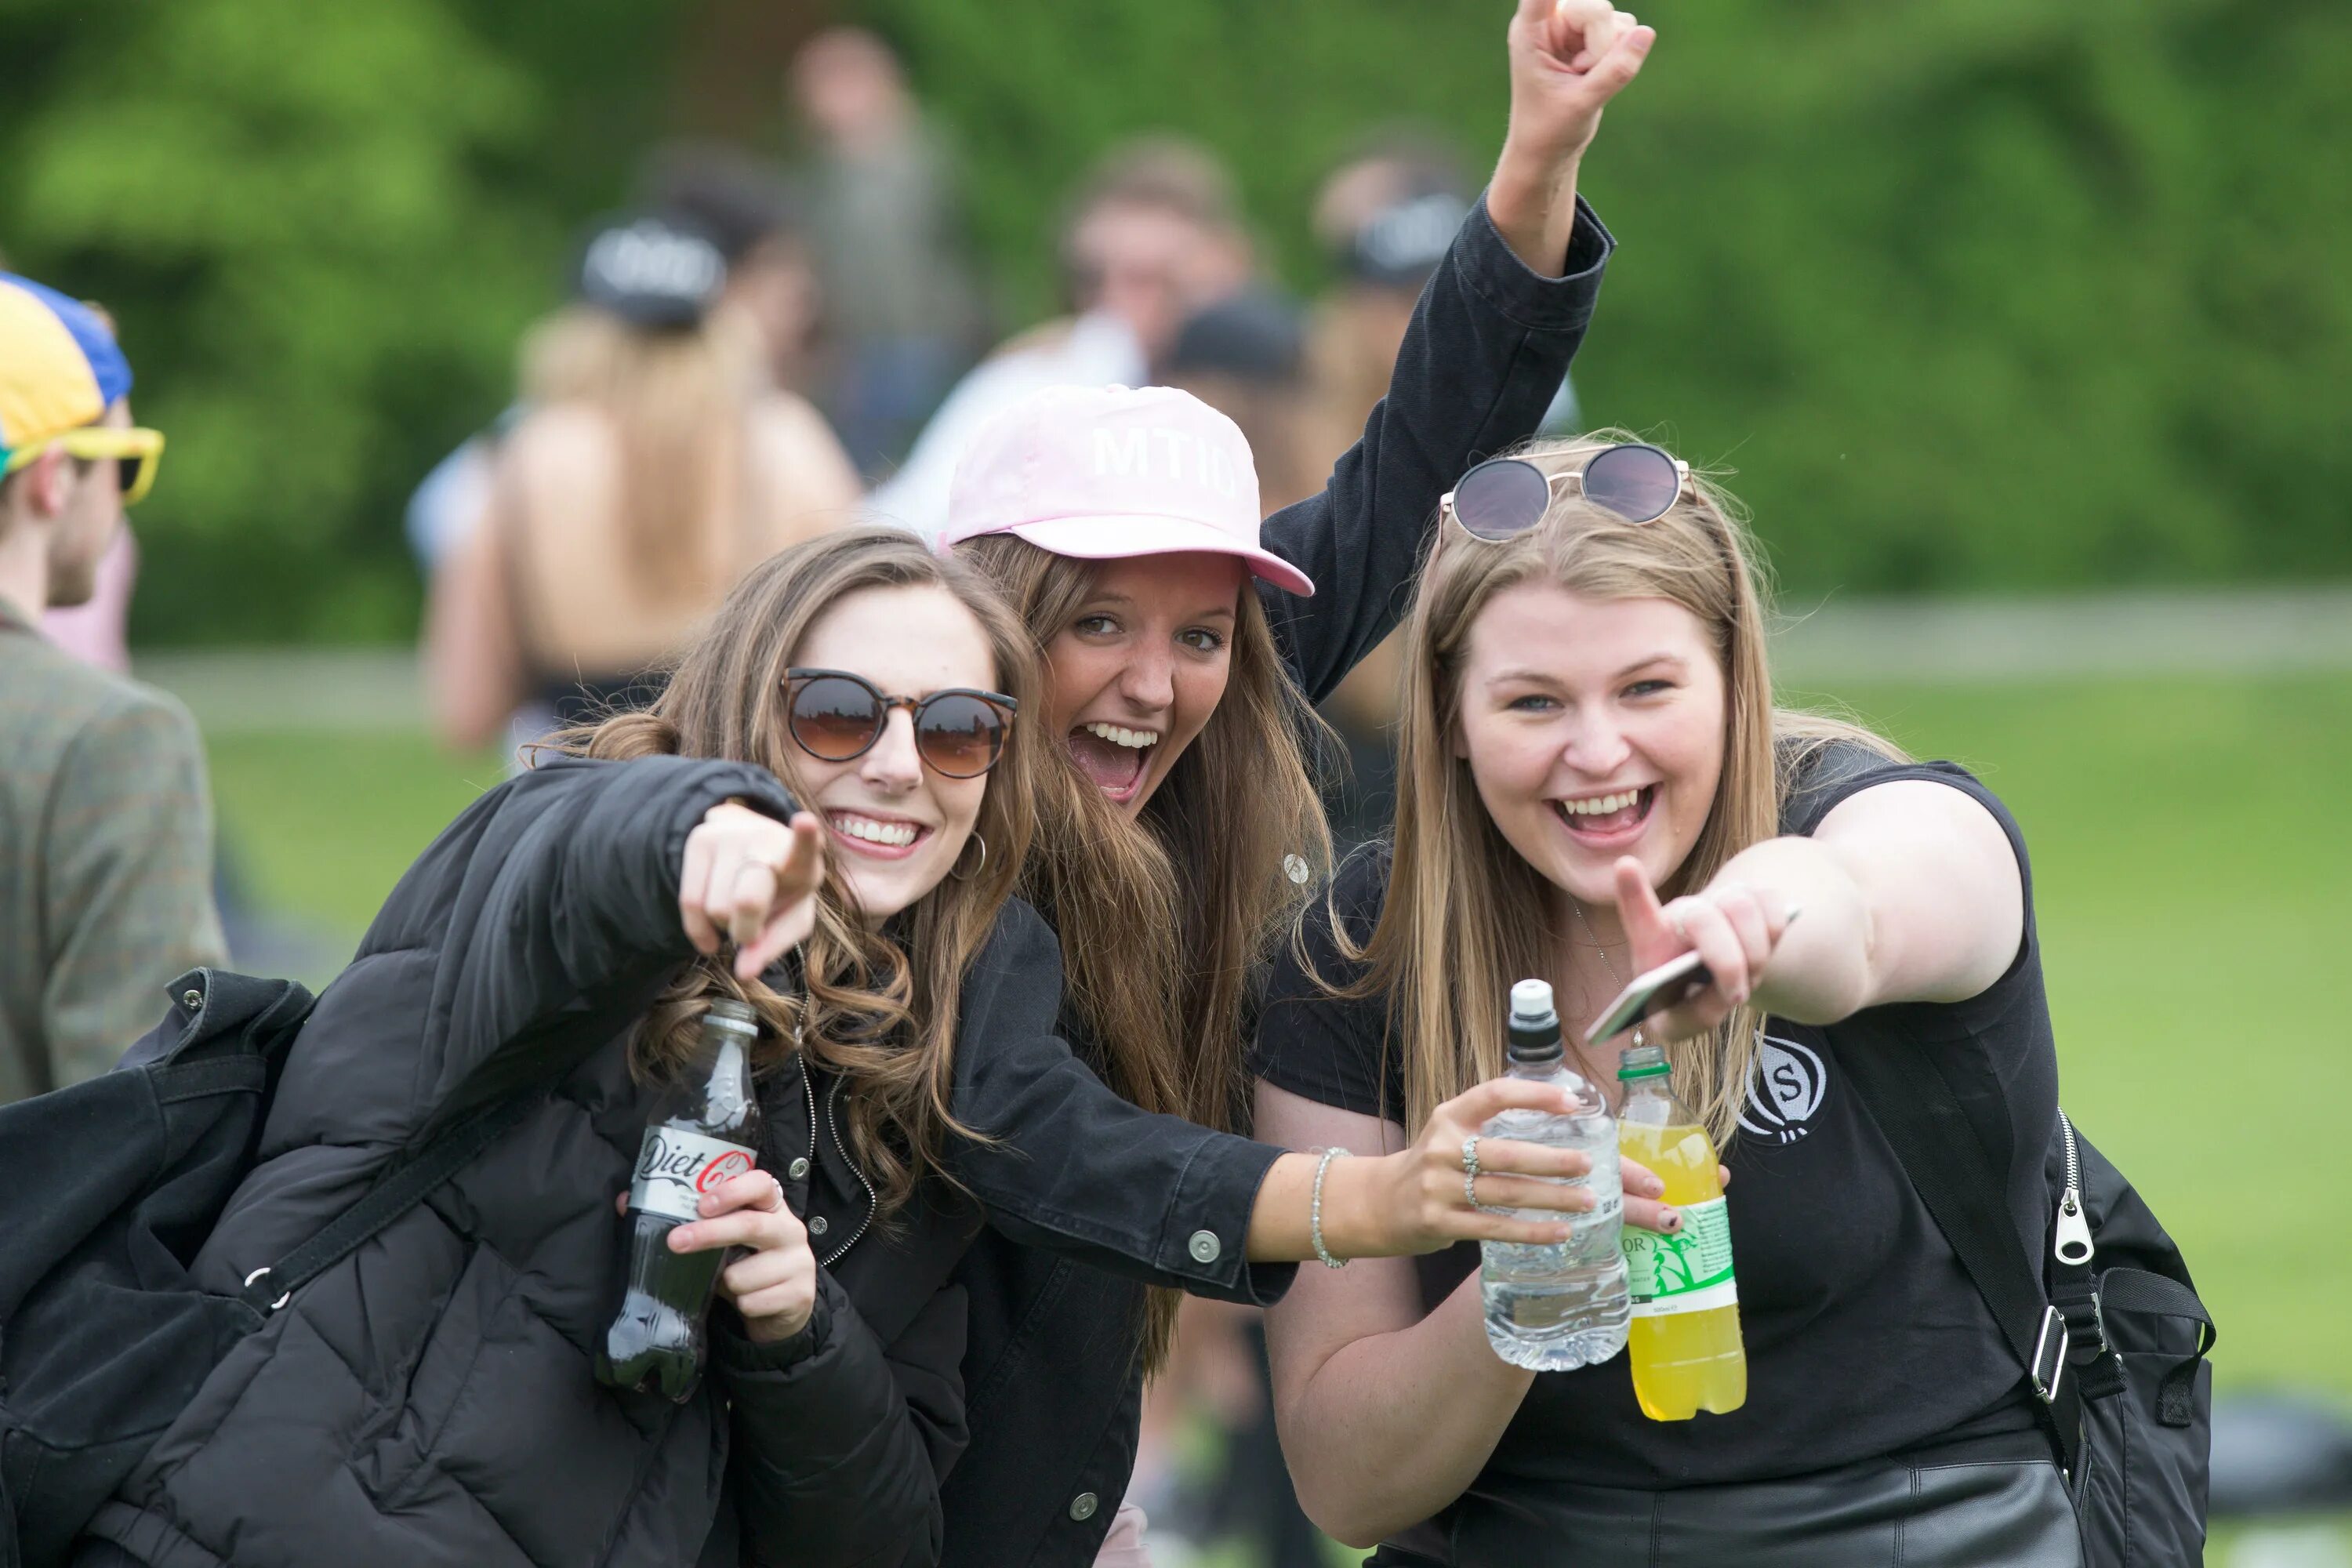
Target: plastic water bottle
1553, 1308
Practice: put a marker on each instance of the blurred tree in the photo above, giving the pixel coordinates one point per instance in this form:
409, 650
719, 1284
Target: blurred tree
2000, 294
321, 228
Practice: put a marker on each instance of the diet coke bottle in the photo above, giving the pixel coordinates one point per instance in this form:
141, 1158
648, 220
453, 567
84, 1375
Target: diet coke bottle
656, 1341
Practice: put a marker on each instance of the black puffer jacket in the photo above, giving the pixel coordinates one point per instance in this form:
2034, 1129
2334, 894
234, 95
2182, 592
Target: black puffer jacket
430, 1400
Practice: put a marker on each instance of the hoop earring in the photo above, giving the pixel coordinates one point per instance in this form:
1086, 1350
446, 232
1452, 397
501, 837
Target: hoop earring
962, 876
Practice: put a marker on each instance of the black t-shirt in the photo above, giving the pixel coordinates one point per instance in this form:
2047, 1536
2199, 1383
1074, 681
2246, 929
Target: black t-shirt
1864, 1337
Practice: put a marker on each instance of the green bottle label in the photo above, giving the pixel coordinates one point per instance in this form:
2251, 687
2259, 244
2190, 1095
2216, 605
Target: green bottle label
1686, 1272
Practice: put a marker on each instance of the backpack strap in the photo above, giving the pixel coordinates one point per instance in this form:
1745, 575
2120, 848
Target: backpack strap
408, 1183
2138, 1290
1924, 1124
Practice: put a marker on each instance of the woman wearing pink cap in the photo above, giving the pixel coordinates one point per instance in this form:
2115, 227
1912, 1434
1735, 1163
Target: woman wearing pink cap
1183, 653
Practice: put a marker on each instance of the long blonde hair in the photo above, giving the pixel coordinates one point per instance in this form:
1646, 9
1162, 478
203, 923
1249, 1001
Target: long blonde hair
1165, 918
679, 403
880, 1008
1466, 915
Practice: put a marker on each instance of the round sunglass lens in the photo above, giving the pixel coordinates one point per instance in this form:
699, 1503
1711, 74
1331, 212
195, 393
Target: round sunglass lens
1640, 484
1499, 498
961, 736
835, 719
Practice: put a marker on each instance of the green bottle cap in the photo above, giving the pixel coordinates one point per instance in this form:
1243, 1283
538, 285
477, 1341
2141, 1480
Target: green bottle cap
1644, 1061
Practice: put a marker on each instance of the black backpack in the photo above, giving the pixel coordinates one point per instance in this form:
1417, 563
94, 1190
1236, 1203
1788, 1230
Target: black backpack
107, 1191
2108, 1324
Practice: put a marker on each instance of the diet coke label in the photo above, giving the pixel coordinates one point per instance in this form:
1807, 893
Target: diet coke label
676, 1167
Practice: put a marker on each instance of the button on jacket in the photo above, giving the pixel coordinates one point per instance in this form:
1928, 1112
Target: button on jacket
1054, 1376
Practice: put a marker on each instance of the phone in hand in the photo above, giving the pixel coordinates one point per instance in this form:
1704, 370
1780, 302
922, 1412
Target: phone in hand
1670, 984
1676, 981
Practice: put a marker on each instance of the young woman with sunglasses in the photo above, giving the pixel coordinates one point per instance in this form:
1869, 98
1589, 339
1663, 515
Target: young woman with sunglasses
432, 1399
1587, 728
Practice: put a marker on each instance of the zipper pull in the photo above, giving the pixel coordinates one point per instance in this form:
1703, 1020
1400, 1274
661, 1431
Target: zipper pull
2073, 1230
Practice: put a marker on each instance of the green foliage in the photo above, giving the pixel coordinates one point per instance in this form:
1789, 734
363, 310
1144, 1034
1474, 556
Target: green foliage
1992, 294
321, 228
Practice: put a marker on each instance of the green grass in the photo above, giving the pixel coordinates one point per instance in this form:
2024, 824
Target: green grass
2190, 863
2192, 866
319, 826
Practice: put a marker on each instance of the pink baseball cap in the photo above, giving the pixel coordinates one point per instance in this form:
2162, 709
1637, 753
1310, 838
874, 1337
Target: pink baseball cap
1102, 472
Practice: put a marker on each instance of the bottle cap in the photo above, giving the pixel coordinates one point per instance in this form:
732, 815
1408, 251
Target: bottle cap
737, 1016
1644, 1061
1533, 1032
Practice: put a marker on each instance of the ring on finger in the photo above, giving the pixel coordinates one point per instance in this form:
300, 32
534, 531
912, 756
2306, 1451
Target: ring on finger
1470, 1170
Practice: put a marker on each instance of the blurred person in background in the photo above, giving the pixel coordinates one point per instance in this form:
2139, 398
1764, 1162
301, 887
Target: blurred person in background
745, 209
1245, 356
900, 301
1384, 219
106, 847
654, 465
1154, 234
96, 631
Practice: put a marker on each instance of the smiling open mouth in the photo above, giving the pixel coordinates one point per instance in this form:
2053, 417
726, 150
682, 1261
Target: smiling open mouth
1604, 817
885, 837
1113, 756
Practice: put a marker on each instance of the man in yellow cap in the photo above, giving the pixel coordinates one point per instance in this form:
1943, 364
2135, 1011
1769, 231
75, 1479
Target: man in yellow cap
106, 844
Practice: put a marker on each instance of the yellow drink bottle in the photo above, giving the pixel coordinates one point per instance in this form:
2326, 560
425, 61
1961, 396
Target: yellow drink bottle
1685, 1336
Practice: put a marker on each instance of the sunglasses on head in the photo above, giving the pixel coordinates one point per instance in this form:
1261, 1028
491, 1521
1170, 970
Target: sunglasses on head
135, 452
835, 716
1507, 496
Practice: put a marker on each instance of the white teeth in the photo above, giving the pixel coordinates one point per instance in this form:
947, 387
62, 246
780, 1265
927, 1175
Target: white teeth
1136, 740
897, 835
1600, 806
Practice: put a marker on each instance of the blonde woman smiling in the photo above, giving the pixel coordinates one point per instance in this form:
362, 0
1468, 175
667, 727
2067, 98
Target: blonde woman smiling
1588, 730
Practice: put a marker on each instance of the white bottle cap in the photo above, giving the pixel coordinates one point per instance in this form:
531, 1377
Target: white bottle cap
1531, 999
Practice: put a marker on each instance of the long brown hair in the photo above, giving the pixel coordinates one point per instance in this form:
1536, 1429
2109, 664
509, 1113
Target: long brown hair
1466, 915
678, 403
1163, 918
880, 1008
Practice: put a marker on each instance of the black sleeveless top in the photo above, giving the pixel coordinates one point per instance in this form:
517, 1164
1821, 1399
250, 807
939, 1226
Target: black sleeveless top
1864, 1337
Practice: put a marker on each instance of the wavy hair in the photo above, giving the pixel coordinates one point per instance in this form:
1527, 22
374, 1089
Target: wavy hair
879, 1007
1165, 917
1464, 914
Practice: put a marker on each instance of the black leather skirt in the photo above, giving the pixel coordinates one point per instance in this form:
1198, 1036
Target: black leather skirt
1959, 1508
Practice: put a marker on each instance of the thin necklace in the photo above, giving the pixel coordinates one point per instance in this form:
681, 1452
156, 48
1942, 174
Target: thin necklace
1576, 908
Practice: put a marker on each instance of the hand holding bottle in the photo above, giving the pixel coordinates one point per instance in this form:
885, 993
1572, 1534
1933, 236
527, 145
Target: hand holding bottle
773, 1284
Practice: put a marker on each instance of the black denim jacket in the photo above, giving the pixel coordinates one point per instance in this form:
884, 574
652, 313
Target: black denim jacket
1052, 1373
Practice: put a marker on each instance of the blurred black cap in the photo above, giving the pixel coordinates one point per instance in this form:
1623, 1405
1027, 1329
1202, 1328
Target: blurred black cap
650, 271
1255, 336
1400, 245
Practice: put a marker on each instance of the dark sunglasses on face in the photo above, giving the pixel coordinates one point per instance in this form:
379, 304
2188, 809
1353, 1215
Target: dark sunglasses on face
835, 716
1503, 496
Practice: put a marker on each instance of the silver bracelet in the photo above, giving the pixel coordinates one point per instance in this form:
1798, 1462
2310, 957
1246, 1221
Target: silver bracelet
1315, 1210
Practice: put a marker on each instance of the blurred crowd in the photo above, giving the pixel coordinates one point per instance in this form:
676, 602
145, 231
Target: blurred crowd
754, 352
